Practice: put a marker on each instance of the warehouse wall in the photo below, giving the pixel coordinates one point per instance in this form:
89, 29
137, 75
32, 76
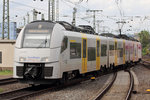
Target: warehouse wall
6, 54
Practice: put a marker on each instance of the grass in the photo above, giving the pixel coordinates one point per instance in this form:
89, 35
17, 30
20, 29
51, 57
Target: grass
6, 72
1, 90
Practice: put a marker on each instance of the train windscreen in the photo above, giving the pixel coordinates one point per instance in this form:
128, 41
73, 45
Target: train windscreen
37, 35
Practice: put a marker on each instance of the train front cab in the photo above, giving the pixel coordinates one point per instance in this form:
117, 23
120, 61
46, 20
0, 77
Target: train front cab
38, 63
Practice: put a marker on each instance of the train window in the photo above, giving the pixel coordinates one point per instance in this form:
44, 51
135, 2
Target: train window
75, 50
111, 47
135, 52
111, 50
126, 52
64, 44
91, 54
84, 48
37, 35
103, 50
120, 54
98, 48
0, 57
132, 49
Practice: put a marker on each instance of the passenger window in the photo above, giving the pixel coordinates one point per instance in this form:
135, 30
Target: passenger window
75, 50
111, 50
121, 52
91, 53
98, 48
103, 50
111, 47
135, 52
64, 44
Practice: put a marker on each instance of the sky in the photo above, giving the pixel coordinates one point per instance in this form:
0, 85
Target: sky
136, 13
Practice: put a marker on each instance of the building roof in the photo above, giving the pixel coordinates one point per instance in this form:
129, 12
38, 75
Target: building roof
7, 41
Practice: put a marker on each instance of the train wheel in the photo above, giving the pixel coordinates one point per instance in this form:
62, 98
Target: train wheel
32, 85
111, 67
101, 69
105, 69
64, 78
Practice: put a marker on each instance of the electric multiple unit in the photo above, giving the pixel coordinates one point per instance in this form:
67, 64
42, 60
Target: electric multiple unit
46, 52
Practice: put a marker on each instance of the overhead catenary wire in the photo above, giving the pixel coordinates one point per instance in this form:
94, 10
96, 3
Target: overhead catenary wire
18, 3
81, 8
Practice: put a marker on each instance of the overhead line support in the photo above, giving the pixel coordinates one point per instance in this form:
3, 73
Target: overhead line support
94, 17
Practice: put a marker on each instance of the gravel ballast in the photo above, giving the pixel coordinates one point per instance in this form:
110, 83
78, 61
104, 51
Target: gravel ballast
143, 76
120, 87
83, 91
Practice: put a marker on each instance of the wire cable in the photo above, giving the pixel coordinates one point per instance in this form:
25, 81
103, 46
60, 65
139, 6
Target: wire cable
26, 5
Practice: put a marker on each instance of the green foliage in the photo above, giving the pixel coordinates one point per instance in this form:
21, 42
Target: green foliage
6, 72
1, 90
145, 40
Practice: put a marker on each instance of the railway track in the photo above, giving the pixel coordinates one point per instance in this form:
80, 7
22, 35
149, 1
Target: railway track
145, 63
131, 86
102, 93
7, 81
109, 86
33, 91
24, 92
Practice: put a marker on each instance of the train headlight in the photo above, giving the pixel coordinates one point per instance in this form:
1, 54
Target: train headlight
45, 59
22, 59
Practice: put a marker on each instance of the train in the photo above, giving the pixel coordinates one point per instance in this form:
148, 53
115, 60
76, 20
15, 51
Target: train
48, 52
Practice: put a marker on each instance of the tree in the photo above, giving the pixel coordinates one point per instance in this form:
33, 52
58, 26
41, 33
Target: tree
145, 41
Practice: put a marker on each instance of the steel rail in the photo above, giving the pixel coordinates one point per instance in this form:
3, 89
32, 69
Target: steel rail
21, 93
128, 96
101, 94
7, 81
32, 91
144, 63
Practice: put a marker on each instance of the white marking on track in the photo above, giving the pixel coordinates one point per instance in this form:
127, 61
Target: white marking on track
136, 82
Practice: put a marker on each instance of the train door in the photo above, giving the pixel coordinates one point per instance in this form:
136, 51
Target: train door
84, 55
130, 49
108, 53
137, 53
98, 54
133, 53
116, 51
124, 52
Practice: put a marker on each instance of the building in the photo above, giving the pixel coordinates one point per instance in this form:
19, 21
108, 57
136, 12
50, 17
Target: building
6, 54
12, 30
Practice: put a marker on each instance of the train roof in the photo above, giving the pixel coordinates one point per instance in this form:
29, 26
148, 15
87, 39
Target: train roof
122, 36
87, 29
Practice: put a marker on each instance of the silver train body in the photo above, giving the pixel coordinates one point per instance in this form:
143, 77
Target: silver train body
46, 52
